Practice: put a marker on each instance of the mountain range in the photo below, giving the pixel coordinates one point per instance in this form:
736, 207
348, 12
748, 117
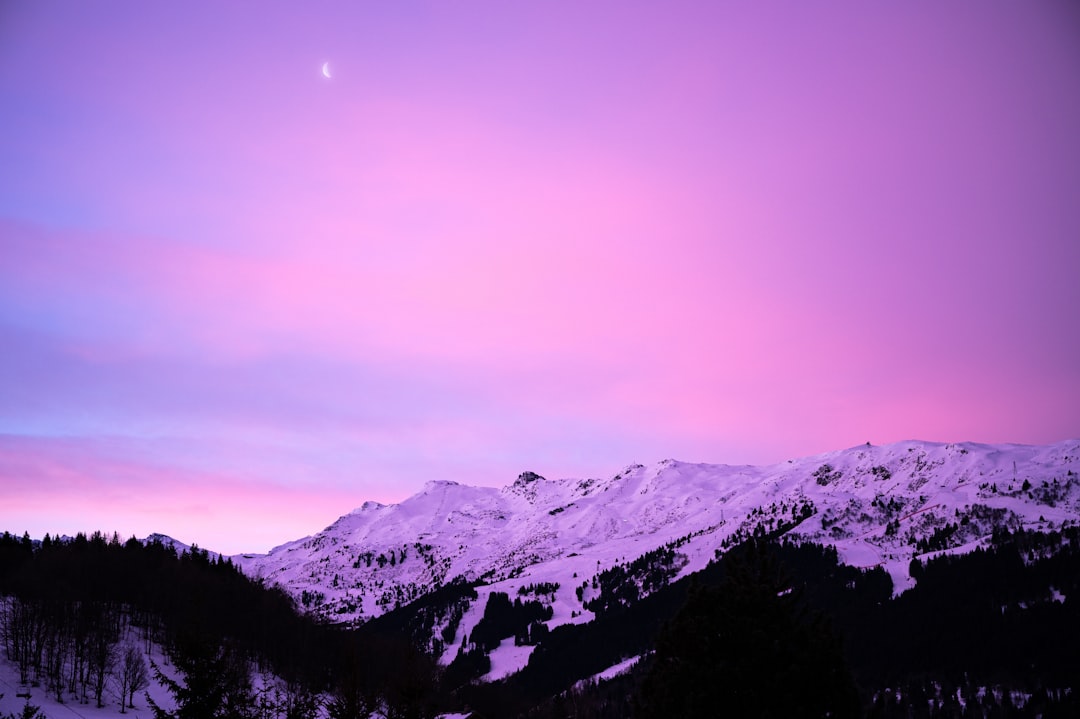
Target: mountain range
554, 539
882, 581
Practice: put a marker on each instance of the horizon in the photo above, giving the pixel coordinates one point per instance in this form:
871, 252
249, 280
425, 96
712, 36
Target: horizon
239, 297
191, 543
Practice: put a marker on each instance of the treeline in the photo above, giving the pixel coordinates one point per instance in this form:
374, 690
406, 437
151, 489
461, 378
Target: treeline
76, 613
551, 684
504, 618
1004, 617
159, 593
995, 633
770, 628
624, 584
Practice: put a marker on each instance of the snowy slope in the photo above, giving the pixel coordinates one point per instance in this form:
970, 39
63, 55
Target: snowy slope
874, 503
176, 545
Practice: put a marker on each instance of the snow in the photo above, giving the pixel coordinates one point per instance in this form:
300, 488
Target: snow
10, 703
567, 531
620, 668
507, 659
874, 504
176, 545
611, 672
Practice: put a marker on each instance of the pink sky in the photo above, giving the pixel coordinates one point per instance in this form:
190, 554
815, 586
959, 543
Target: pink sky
238, 299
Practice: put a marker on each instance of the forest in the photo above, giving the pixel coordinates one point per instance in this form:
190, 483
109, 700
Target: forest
771, 628
76, 612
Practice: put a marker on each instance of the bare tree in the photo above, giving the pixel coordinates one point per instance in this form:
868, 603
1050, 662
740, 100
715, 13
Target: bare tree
24, 635
129, 676
57, 649
298, 701
101, 660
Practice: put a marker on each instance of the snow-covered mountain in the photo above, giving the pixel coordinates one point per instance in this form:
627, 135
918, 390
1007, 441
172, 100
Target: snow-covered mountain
175, 544
878, 505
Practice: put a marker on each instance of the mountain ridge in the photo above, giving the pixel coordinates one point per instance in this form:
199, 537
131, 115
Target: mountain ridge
879, 505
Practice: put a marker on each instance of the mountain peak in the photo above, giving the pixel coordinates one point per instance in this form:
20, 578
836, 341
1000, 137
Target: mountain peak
879, 505
433, 484
157, 538
527, 477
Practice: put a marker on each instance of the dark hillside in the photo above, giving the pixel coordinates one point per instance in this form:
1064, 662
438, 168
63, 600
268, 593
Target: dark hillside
65, 596
992, 633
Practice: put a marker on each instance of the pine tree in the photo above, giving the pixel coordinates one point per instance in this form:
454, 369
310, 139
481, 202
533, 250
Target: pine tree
747, 649
216, 682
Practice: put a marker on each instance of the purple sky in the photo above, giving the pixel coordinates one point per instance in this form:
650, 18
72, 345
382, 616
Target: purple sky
238, 299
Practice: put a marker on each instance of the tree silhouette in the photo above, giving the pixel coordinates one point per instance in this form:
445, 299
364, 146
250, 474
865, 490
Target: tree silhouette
747, 648
216, 682
130, 675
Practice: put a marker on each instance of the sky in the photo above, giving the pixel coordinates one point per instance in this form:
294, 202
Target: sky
239, 298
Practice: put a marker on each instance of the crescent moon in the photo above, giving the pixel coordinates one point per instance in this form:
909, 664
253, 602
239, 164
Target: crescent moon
326, 70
